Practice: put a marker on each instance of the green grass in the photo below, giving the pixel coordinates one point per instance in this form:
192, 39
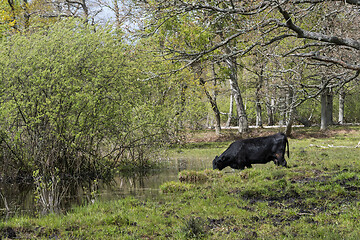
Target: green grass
317, 197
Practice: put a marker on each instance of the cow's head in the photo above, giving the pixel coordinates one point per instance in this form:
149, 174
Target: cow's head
218, 163
280, 162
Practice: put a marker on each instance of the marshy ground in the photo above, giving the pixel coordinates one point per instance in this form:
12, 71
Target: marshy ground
317, 197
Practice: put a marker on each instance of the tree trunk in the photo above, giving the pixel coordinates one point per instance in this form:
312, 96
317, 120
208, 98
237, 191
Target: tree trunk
289, 124
212, 99
214, 107
217, 121
117, 14
231, 108
270, 112
214, 103
85, 9
290, 112
27, 15
258, 114
323, 124
329, 108
181, 110
243, 122
341, 106
257, 104
282, 108
326, 109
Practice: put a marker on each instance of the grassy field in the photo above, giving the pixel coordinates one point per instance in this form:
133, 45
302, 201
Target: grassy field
317, 197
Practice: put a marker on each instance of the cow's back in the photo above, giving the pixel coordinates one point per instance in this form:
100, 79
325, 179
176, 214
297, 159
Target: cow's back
261, 149
233, 150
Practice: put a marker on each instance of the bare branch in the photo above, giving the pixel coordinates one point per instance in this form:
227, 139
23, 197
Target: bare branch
317, 56
241, 11
352, 2
305, 46
301, 33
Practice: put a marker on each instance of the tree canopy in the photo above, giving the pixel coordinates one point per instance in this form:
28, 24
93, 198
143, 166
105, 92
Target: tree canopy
321, 36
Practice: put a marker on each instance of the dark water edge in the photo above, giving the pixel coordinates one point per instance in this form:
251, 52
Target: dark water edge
19, 198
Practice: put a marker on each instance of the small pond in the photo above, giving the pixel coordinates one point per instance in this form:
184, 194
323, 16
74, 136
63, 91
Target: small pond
20, 198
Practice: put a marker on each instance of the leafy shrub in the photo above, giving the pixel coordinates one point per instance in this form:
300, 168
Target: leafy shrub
72, 98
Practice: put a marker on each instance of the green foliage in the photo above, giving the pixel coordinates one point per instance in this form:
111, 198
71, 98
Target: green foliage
19, 15
75, 97
7, 16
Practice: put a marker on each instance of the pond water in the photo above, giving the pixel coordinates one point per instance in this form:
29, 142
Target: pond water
19, 198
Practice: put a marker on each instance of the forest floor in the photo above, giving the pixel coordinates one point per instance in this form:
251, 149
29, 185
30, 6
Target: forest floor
316, 197
297, 133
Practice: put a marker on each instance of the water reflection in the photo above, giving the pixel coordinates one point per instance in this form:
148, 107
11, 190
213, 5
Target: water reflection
19, 197
15, 198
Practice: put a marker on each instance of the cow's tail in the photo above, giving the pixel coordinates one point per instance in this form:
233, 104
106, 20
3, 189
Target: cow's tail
287, 143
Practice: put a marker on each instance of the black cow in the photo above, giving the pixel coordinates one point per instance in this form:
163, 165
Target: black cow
243, 153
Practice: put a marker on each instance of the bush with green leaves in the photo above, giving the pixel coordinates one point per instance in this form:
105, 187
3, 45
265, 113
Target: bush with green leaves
73, 98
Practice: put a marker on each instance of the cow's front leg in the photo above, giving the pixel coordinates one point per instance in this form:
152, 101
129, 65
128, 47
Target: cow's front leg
276, 162
248, 166
240, 166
